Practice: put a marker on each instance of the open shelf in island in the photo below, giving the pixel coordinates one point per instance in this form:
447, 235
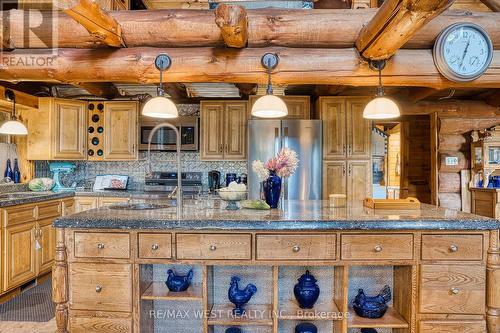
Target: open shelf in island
391, 319
292, 311
159, 291
255, 315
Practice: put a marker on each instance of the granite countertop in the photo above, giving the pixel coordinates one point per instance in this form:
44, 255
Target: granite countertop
122, 194
19, 198
296, 215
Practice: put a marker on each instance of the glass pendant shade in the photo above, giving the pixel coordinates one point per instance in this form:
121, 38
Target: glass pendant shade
13, 127
381, 108
269, 106
160, 107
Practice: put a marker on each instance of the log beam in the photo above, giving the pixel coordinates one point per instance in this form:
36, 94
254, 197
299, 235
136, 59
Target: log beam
101, 89
233, 23
494, 100
247, 89
494, 5
97, 22
394, 24
419, 94
297, 66
322, 28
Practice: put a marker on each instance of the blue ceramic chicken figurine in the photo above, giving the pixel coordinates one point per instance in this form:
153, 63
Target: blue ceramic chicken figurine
240, 297
178, 283
372, 306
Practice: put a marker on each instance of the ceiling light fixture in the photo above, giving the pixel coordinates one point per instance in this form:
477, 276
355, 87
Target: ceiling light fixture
161, 106
380, 107
13, 126
269, 106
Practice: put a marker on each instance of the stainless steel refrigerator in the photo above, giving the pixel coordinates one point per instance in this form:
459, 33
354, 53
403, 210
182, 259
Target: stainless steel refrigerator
265, 140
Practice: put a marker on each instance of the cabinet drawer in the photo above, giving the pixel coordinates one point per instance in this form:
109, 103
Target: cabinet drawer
377, 247
49, 209
452, 289
155, 246
19, 214
214, 246
473, 326
101, 287
452, 247
97, 325
296, 247
102, 245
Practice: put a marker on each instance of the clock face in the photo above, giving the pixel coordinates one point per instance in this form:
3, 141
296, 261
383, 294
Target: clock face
463, 52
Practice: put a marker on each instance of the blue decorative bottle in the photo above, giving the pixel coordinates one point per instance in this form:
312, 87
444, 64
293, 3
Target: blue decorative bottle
8, 171
306, 291
272, 189
17, 173
306, 328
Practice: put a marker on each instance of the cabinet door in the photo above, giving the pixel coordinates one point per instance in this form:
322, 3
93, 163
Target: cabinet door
19, 255
334, 178
120, 131
103, 202
83, 204
332, 113
69, 134
235, 134
212, 135
359, 181
299, 107
358, 130
47, 242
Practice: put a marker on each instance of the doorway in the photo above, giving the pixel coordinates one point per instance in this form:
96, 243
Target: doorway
386, 160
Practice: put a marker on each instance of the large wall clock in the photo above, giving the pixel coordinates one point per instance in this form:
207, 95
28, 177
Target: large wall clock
463, 52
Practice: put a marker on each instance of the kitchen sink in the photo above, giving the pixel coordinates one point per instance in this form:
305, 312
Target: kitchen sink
138, 206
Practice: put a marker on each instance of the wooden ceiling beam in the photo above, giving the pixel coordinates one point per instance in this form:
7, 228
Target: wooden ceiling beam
247, 89
420, 93
494, 100
97, 22
101, 89
494, 5
322, 28
23, 100
297, 66
233, 23
394, 24
176, 91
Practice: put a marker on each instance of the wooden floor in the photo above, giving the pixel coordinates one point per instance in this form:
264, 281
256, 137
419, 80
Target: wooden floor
27, 327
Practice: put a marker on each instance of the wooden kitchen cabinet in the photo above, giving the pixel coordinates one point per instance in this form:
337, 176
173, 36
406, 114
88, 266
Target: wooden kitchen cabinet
120, 130
299, 107
332, 113
85, 203
334, 178
358, 130
47, 239
223, 130
359, 182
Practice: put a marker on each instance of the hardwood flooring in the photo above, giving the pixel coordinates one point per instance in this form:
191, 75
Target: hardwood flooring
27, 327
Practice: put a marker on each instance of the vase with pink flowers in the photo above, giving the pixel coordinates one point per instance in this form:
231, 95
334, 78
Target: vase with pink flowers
272, 172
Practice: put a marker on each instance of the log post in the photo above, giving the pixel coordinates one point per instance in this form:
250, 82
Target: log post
494, 5
233, 23
60, 283
493, 284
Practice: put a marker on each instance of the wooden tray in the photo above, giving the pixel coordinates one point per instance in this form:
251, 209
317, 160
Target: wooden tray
408, 203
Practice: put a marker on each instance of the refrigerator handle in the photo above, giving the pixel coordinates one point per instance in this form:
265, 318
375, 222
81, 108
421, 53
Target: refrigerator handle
285, 141
276, 140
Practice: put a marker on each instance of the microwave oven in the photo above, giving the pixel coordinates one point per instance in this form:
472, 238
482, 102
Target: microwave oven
164, 139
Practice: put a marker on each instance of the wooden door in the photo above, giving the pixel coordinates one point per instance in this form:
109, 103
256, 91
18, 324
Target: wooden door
120, 130
212, 130
69, 132
332, 113
359, 181
83, 204
334, 178
19, 255
299, 107
235, 132
359, 130
47, 241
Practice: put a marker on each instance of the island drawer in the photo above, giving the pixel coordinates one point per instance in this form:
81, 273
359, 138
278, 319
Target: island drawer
377, 246
102, 245
101, 287
452, 289
19, 214
214, 246
445, 326
452, 247
296, 247
155, 246
113, 324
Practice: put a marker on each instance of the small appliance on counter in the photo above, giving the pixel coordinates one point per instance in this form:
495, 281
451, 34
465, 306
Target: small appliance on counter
160, 181
58, 168
110, 182
213, 181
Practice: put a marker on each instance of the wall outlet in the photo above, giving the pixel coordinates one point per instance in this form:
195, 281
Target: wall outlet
451, 160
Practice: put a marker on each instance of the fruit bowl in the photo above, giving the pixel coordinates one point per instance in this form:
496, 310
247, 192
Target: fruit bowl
232, 197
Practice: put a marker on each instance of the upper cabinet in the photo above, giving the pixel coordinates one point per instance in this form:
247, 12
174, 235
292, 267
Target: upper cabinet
346, 134
223, 130
299, 107
120, 130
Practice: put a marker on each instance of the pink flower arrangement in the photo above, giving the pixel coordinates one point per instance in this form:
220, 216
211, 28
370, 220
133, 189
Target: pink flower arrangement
284, 164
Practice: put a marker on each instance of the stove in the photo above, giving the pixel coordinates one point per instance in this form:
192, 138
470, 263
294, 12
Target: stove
161, 181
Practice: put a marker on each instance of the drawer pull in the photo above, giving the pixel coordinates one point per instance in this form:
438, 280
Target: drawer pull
455, 291
213, 247
98, 289
453, 248
155, 247
100, 246
296, 248
378, 248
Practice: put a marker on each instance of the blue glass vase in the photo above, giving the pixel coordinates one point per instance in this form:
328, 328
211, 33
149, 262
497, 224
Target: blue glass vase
272, 189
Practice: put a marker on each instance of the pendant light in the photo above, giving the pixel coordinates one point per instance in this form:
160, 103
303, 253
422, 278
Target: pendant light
380, 107
269, 106
13, 126
161, 106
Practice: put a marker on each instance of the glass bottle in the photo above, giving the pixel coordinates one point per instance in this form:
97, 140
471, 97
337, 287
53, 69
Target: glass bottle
8, 171
17, 172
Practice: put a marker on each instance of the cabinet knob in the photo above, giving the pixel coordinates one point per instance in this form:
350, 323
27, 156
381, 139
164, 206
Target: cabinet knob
155, 247
100, 246
455, 291
213, 247
453, 248
98, 289
378, 248
296, 248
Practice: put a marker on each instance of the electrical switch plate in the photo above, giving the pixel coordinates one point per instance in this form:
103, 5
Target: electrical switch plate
452, 160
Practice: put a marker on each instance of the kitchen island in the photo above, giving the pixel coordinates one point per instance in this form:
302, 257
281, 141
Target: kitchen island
443, 268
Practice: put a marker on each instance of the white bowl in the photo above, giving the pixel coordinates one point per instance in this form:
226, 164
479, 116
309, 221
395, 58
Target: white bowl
228, 195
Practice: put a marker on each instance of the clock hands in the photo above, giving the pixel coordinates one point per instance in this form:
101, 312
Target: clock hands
465, 52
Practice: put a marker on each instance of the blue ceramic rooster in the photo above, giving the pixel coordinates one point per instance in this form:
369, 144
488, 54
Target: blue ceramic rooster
240, 297
178, 283
372, 306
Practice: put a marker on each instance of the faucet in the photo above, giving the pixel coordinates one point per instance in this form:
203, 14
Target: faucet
178, 147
